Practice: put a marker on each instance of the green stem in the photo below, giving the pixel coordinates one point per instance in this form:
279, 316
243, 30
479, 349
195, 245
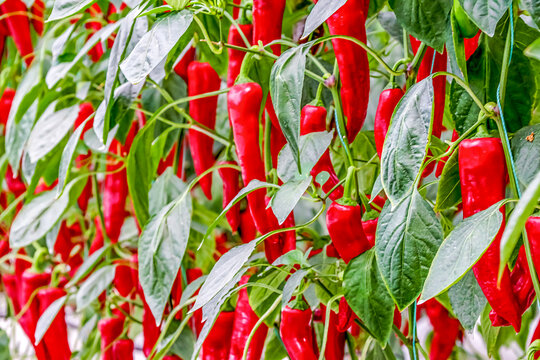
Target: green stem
214, 49
467, 88
412, 330
95, 189
340, 120
235, 24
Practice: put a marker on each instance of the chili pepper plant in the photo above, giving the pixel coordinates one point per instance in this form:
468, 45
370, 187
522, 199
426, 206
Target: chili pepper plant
270, 179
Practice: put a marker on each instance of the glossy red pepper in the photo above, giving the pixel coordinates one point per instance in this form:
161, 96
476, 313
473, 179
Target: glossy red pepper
244, 102
96, 52
150, 330
115, 190
110, 330
267, 18
297, 334
12, 290
353, 62
4, 34
176, 292
56, 337
30, 283
244, 321
37, 9
167, 162
97, 243
123, 349
370, 228
446, 330
181, 67
123, 281
237, 56
217, 344
202, 79
5, 106
345, 229
388, 101
19, 27
196, 319
335, 340
471, 45
14, 182
483, 176
247, 229
231, 187
85, 110
313, 119
533, 232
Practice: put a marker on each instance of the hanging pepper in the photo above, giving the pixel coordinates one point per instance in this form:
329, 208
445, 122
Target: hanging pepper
96, 51
176, 292
313, 119
115, 185
267, 22
14, 182
167, 162
123, 349
12, 290
123, 281
446, 330
217, 344
335, 340
244, 102
37, 9
247, 229
237, 56
5, 105
4, 34
471, 45
196, 319
533, 231
110, 330
85, 110
19, 27
150, 330
202, 79
345, 229
522, 284
483, 176
181, 68
352, 61
297, 334
244, 321
231, 187
56, 337
31, 282
388, 101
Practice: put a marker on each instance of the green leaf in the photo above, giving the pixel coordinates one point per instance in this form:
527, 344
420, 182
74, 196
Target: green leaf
526, 152
139, 171
166, 188
89, 263
461, 250
96, 283
68, 155
489, 333
467, 300
408, 236
533, 7
39, 216
456, 50
516, 222
49, 130
449, 191
407, 140
262, 298
225, 269
59, 71
4, 345
155, 45
485, 13
48, 316
65, 8
533, 51
426, 20
288, 195
274, 349
162, 245
322, 10
286, 84
290, 286
368, 297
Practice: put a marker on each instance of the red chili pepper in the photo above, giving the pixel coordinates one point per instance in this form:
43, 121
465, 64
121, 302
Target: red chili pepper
181, 68
231, 187
123, 281
123, 349
4, 33
167, 162
30, 283
95, 52
244, 321
150, 330
5, 106
471, 45
533, 231
12, 290
345, 229
110, 330
203, 79
97, 243
297, 334
247, 229
335, 340
313, 119
244, 102
267, 22
237, 56
236, 10
176, 292
85, 110
370, 228
196, 319
446, 330
66, 242
217, 344
388, 101
353, 62
14, 182
37, 9
483, 176
19, 27
56, 337
116, 190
